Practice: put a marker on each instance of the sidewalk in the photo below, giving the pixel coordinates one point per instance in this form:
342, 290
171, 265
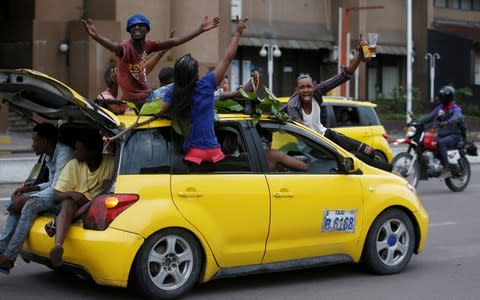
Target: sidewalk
16, 157
16, 142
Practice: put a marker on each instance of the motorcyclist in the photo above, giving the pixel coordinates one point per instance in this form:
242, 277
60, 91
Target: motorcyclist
450, 123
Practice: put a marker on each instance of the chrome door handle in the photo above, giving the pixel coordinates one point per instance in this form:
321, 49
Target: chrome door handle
283, 194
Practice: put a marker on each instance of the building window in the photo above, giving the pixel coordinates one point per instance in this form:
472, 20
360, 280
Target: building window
476, 4
466, 4
477, 69
390, 80
372, 83
454, 4
458, 4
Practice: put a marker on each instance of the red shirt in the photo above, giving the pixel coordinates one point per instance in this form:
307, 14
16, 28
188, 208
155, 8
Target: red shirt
132, 73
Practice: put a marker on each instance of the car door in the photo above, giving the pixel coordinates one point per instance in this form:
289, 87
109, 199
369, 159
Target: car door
347, 119
313, 213
228, 202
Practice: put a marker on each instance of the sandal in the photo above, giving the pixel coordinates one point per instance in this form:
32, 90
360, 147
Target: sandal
5, 265
56, 255
50, 228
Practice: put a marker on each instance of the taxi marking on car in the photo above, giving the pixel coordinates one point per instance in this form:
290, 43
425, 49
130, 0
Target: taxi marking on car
339, 220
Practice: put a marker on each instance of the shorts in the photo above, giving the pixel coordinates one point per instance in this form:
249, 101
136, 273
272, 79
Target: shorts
197, 155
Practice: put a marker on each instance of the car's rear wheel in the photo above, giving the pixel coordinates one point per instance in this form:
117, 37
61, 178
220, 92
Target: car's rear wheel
390, 242
168, 264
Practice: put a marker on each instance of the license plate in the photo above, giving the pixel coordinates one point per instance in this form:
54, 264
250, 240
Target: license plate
339, 220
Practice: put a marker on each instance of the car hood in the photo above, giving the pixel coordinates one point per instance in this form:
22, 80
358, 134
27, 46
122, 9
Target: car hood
32, 91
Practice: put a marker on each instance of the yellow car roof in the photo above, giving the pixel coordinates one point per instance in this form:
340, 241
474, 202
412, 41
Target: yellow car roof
338, 100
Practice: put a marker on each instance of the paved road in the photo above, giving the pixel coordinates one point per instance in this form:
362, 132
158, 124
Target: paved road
447, 269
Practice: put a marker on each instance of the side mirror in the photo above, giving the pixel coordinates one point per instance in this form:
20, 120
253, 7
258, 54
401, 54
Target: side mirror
349, 165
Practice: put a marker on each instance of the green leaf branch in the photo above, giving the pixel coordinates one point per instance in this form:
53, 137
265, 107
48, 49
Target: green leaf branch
269, 105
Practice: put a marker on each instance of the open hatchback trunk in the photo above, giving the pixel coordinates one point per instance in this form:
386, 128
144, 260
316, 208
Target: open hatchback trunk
31, 91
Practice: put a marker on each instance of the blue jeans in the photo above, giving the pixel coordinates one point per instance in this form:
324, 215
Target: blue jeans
17, 227
444, 143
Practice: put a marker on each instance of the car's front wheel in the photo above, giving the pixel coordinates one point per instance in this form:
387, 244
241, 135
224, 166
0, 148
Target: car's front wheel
390, 242
168, 264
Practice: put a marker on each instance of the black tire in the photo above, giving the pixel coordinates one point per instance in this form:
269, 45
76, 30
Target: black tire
173, 257
459, 183
389, 244
380, 156
400, 165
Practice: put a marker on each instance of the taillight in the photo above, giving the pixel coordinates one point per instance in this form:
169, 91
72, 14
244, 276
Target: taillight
105, 208
385, 136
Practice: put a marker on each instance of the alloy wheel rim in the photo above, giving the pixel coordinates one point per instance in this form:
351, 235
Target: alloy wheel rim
170, 262
393, 241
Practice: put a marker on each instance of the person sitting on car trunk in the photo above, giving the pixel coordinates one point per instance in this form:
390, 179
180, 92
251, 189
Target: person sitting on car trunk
29, 200
82, 179
131, 54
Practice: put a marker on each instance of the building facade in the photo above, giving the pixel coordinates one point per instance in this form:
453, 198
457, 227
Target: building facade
305, 32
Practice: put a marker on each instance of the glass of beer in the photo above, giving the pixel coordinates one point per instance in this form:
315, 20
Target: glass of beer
372, 43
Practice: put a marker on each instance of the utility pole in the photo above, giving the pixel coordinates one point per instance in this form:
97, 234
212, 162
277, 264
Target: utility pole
409, 61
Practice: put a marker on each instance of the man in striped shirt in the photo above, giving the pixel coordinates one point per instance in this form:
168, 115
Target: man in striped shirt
304, 107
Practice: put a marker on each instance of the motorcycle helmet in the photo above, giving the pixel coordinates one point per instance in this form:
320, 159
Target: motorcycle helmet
138, 19
446, 94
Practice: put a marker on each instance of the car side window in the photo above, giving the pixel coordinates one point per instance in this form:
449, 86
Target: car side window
147, 152
232, 143
346, 116
368, 116
318, 159
324, 111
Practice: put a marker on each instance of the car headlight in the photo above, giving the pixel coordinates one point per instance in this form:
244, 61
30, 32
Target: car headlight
411, 131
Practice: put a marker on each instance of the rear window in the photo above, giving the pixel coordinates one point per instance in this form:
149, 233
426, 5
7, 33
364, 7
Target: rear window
147, 152
351, 115
368, 116
346, 116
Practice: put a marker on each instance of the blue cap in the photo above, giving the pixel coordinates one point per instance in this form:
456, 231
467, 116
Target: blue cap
138, 19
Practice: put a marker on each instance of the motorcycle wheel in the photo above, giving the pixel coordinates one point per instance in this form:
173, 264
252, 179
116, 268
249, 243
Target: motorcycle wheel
401, 164
457, 183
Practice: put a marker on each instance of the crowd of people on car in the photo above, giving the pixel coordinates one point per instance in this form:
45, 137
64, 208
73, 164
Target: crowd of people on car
78, 175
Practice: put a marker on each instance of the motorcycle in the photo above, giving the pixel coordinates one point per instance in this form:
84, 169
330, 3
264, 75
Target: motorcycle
421, 160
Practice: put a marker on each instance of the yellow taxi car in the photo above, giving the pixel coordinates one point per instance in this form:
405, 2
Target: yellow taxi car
163, 224
356, 119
